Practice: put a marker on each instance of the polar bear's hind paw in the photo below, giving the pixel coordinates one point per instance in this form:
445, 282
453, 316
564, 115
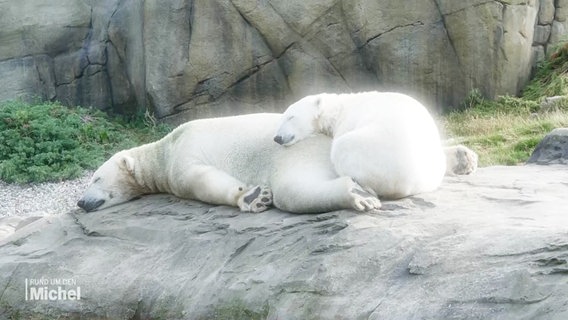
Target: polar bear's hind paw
364, 200
256, 200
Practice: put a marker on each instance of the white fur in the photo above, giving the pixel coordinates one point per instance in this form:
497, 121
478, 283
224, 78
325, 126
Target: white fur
224, 161
385, 141
460, 160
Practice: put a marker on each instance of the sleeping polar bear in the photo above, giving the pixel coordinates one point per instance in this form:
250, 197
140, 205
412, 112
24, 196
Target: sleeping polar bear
385, 141
229, 161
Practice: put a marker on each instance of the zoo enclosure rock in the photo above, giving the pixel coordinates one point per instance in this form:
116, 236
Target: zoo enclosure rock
553, 149
488, 246
188, 59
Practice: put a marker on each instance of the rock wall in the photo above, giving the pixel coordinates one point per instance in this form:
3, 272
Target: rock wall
194, 58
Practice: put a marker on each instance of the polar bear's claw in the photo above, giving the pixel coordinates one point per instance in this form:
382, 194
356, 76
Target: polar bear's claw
256, 200
364, 199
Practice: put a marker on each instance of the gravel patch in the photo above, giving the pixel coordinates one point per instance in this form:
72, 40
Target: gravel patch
43, 198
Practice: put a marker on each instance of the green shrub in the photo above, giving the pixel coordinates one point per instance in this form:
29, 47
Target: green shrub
50, 142
551, 78
476, 104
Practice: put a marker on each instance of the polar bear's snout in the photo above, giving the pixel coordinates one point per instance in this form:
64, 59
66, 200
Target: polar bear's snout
90, 204
284, 140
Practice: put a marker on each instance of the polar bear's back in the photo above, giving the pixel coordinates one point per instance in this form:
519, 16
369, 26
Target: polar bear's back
389, 119
383, 110
389, 142
241, 145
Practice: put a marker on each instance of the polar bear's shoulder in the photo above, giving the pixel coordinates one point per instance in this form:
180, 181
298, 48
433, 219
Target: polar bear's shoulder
239, 121
243, 125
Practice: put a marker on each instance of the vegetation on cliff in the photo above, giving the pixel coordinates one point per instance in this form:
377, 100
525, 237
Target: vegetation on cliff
50, 142
505, 131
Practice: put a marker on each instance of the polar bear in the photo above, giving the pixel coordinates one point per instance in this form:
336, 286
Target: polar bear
386, 141
229, 161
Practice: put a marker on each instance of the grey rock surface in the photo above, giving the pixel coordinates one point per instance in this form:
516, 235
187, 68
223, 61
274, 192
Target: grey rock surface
188, 59
492, 245
553, 149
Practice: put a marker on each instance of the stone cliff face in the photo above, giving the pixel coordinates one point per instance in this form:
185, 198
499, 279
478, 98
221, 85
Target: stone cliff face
220, 57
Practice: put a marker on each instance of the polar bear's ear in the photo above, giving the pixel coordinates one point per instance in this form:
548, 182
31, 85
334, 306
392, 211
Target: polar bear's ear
318, 105
318, 101
127, 162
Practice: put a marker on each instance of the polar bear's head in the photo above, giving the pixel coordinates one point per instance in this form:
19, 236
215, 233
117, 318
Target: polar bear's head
299, 121
111, 184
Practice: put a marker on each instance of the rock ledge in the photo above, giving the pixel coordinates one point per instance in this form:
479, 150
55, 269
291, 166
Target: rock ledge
492, 245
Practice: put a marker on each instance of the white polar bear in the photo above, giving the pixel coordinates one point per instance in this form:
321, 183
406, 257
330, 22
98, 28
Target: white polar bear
229, 161
387, 142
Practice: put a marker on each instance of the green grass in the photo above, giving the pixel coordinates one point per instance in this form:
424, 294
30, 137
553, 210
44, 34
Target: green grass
551, 76
237, 310
504, 131
50, 142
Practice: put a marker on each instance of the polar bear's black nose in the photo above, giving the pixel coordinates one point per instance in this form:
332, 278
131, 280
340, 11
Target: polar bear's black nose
279, 139
89, 205
283, 140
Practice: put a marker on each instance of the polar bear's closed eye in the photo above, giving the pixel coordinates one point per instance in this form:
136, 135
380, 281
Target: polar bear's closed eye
112, 183
299, 121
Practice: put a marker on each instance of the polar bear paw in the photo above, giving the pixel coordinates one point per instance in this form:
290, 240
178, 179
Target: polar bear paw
460, 160
256, 200
363, 199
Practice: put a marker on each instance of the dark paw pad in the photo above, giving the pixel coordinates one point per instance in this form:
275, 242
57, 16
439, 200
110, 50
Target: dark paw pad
257, 199
252, 196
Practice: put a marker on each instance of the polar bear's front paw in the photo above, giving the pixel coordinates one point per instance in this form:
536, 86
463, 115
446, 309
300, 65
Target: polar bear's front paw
460, 160
257, 199
363, 199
